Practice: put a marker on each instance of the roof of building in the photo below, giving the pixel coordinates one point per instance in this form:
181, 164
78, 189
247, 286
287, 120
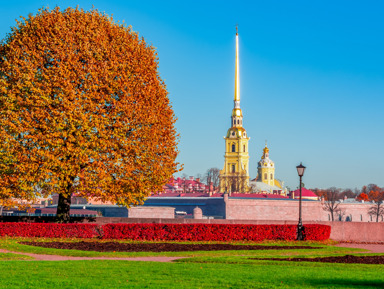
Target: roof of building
304, 193
175, 194
258, 196
263, 187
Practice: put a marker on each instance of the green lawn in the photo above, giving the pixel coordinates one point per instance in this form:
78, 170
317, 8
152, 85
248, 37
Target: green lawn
10, 256
232, 269
126, 274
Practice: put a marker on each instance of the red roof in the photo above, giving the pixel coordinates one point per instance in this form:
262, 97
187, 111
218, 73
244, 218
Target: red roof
304, 193
265, 196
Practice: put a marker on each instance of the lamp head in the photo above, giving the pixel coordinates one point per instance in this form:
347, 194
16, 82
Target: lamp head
300, 170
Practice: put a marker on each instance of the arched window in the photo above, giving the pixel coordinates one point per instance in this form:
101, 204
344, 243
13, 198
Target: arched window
271, 177
238, 121
265, 176
233, 168
233, 148
243, 148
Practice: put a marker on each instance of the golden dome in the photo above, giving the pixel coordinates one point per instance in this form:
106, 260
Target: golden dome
237, 112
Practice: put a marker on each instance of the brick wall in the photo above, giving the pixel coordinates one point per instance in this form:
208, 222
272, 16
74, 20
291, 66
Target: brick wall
283, 210
149, 212
288, 210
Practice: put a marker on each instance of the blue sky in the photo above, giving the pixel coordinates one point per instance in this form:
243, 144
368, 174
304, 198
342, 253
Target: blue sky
311, 76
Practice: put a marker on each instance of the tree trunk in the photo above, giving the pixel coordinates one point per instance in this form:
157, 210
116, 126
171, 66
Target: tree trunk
332, 216
63, 207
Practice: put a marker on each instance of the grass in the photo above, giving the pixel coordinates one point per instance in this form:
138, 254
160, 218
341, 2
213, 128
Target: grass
125, 274
222, 269
11, 256
12, 244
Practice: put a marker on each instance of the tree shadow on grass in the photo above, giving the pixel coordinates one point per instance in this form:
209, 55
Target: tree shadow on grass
346, 283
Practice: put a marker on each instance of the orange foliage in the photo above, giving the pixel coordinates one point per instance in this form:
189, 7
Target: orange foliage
82, 109
363, 197
376, 196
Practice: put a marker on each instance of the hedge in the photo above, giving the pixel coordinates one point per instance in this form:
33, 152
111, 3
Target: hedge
49, 230
165, 232
212, 232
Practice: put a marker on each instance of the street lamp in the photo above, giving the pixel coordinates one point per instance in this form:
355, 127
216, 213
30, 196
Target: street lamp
300, 172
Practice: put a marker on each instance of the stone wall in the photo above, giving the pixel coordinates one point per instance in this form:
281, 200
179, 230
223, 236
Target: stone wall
357, 231
150, 212
288, 210
283, 210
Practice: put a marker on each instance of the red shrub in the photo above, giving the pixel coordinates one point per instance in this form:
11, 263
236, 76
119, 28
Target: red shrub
317, 232
165, 232
199, 232
48, 230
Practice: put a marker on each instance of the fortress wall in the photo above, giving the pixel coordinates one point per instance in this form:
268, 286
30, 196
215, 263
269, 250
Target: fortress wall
283, 210
149, 212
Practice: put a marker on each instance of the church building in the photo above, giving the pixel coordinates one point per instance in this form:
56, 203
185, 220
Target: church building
234, 177
265, 181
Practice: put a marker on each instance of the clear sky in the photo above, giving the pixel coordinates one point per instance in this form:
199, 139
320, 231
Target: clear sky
311, 77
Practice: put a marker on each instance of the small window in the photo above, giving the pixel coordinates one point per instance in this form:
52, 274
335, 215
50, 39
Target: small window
233, 168
265, 176
233, 148
243, 148
238, 121
271, 177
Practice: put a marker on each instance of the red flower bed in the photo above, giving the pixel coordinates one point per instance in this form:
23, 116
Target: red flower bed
165, 232
317, 232
48, 230
211, 232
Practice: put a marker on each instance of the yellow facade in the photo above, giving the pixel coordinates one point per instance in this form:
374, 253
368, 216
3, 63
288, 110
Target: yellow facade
266, 170
234, 177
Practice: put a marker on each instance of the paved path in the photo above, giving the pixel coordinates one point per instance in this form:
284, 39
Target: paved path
42, 257
374, 248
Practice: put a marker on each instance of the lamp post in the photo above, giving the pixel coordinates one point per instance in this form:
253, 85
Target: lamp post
300, 172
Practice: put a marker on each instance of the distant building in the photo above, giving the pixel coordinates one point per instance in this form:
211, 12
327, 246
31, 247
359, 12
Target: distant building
305, 194
184, 185
234, 177
265, 181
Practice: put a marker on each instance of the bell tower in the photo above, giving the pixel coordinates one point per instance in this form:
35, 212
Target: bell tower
234, 177
266, 168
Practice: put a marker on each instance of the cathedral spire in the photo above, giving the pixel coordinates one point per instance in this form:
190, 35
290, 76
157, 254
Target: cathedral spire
237, 78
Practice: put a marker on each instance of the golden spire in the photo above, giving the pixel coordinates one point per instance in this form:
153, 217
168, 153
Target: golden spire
265, 151
237, 82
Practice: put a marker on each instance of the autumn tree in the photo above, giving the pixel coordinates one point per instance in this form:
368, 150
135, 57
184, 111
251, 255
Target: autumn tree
377, 209
83, 111
347, 193
331, 201
213, 176
237, 182
362, 197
